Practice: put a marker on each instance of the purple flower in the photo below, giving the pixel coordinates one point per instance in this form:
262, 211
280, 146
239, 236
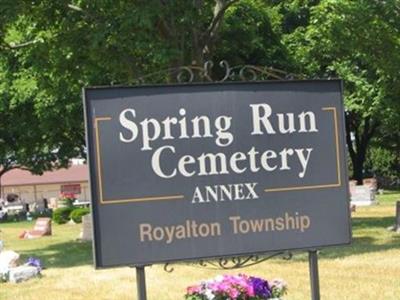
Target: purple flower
261, 287
34, 262
234, 287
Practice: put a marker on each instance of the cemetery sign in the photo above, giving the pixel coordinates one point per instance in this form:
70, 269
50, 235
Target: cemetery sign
182, 172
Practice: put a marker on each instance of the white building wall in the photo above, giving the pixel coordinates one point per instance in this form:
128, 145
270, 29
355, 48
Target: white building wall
27, 192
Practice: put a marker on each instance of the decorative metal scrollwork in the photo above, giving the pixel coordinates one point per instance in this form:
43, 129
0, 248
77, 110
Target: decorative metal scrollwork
207, 73
230, 263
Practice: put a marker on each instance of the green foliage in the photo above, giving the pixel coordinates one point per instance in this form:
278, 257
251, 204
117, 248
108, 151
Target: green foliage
77, 214
4, 277
62, 215
257, 41
67, 201
49, 50
14, 217
359, 42
383, 162
351, 39
47, 213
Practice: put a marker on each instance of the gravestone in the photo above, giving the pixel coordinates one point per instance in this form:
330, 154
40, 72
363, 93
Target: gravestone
23, 273
352, 183
8, 259
53, 203
372, 183
87, 231
362, 195
42, 228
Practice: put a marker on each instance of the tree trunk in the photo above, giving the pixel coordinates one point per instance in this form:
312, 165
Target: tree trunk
358, 168
362, 129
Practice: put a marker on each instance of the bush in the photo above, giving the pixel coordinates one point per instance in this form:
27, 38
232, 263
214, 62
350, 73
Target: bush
383, 162
77, 214
61, 215
15, 217
46, 213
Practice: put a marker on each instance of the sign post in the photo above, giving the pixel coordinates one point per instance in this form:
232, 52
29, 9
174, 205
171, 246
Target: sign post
314, 276
141, 283
397, 224
185, 172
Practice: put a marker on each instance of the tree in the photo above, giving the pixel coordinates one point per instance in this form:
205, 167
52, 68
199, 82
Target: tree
251, 34
51, 49
25, 142
359, 42
383, 157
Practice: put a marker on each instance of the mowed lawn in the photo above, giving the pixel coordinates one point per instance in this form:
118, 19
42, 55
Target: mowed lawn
369, 269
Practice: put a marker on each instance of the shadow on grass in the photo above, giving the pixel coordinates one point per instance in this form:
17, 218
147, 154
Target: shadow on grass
371, 235
63, 255
360, 245
372, 223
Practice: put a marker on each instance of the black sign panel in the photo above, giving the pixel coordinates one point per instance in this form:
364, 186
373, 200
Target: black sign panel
209, 170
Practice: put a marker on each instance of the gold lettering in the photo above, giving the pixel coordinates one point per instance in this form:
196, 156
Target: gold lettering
234, 220
145, 230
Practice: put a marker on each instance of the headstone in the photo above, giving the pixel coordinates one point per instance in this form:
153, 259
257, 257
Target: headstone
362, 195
23, 273
53, 203
8, 259
33, 206
87, 231
352, 183
372, 183
42, 228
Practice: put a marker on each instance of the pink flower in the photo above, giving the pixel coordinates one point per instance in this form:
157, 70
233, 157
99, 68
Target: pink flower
194, 289
234, 287
233, 293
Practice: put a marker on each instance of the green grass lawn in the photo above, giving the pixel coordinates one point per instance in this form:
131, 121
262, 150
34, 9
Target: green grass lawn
368, 269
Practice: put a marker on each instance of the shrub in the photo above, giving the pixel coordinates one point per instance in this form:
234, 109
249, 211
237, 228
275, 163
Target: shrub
77, 214
383, 162
46, 213
61, 215
16, 217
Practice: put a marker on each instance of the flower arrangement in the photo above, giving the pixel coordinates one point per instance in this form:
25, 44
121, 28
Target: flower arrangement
237, 287
67, 199
34, 262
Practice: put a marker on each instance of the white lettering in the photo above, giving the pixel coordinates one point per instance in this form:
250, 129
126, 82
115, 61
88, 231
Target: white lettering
155, 162
260, 118
128, 124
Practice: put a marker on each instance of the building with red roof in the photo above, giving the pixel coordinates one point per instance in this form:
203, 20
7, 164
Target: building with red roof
34, 188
